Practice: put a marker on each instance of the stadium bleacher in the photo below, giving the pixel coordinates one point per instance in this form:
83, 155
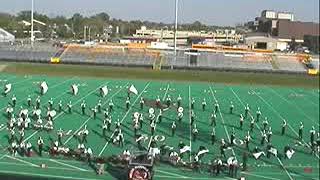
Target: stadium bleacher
124, 56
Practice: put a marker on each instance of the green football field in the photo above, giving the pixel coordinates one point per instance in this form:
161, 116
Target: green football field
276, 103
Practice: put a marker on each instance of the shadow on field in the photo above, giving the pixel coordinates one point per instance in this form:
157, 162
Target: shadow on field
119, 173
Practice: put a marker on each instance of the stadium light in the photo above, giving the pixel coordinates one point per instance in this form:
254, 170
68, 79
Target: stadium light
176, 27
175, 32
32, 10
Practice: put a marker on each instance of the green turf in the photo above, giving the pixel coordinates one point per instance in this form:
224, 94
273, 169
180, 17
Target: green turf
293, 104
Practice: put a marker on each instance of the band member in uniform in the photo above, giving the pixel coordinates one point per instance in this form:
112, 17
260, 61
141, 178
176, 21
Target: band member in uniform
99, 106
94, 111
192, 103
247, 139
104, 128
283, 127
152, 128
127, 104
312, 135
241, 121
179, 99
246, 111
263, 137
269, 134
168, 100
40, 146
232, 137
252, 124
258, 114
204, 103
213, 119
29, 100
38, 102
111, 105
141, 103
83, 107
265, 123
300, 130
194, 132
231, 107
14, 100
160, 116
69, 105
173, 128
216, 107
50, 102
60, 106
213, 136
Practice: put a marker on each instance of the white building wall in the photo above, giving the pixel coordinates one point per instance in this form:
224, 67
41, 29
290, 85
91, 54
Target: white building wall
287, 16
282, 45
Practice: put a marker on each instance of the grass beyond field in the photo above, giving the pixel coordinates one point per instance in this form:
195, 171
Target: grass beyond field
292, 104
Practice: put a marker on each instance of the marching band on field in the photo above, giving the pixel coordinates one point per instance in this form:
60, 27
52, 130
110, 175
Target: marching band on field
18, 124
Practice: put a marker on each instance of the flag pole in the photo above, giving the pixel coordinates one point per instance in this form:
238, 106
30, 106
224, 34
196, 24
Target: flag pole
175, 32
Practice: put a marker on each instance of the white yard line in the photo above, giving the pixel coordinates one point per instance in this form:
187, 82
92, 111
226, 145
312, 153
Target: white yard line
124, 117
259, 176
79, 100
190, 128
25, 79
46, 159
193, 178
8, 79
173, 174
285, 169
23, 161
297, 107
45, 175
155, 120
68, 165
280, 162
165, 94
315, 94
239, 99
224, 126
57, 85
50, 167
85, 122
304, 97
271, 107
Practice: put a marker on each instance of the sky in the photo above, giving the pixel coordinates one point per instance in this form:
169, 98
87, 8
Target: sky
212, 12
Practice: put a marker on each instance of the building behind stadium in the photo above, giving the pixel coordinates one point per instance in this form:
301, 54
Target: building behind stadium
277, 30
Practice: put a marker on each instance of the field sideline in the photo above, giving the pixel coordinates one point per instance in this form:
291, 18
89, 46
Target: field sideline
284, 80
298, 102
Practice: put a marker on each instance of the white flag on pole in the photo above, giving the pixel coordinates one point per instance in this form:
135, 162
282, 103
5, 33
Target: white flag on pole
133, 90
202, 152
290, 153
273, 151
74, 89
154, 151
7, 88
258, 154
185, 149
104, 91
44, 87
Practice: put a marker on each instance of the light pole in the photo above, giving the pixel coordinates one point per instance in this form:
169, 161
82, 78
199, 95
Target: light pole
176, 27
175, 32
32, 10
85, 33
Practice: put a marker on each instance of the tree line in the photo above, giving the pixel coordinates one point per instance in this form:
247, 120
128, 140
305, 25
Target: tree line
73, 27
